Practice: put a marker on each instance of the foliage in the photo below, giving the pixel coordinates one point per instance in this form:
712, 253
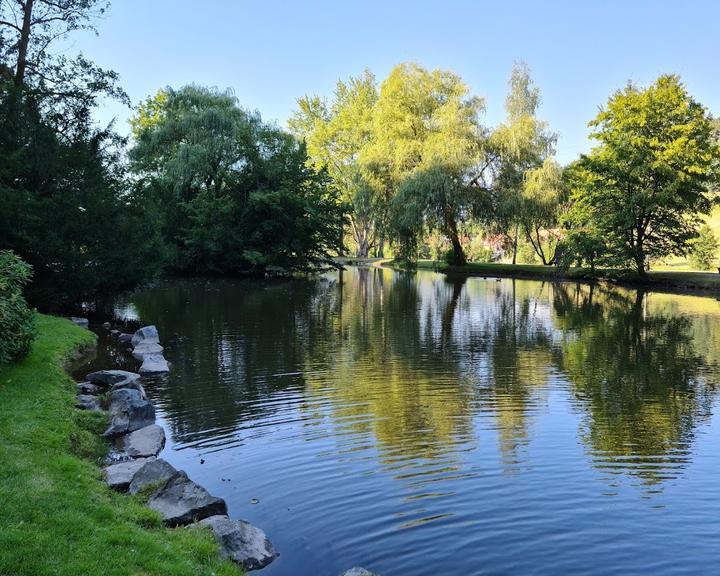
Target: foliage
704, 248
231, 193
17, 321
645, 186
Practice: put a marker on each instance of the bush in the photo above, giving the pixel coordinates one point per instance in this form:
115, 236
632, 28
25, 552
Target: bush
17, 321
704, 248
476, 251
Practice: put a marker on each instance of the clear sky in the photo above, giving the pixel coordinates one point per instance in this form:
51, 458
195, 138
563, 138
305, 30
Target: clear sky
271, 52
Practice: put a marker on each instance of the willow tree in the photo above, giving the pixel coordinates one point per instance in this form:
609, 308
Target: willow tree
425, 122
648, 182
521, 144
335, 135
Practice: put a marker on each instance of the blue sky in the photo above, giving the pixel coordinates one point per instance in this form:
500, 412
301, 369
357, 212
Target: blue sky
271, 52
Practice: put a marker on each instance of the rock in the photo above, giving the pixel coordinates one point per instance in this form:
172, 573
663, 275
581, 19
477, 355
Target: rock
118, 476
154, 364
109, 378
241, 542
87, 402
148, 441
129, 412
88, 388
107, 325
124, 338
148, 334
82, 322
130, 385
152, 472
115, 333
358, 571
181, 501
145, 348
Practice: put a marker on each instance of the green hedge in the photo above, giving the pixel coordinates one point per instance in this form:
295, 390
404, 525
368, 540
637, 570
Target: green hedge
17, 321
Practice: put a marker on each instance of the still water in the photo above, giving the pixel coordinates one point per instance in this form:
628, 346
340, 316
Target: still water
419, 425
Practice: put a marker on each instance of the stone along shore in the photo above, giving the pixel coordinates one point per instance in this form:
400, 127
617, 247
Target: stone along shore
137, 440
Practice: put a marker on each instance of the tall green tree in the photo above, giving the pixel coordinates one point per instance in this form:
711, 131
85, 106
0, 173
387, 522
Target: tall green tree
647, 183
425, 121
231, 193
335, 135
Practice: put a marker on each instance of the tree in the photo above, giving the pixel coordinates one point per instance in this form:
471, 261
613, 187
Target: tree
335, 136
520, 145
704, 248
646, 185
424, 121
231, 193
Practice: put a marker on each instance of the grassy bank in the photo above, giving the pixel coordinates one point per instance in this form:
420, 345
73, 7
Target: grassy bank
684, 280
56, 515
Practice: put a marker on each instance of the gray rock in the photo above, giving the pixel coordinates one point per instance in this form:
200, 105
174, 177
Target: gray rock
148, 441
125, 338
115, 333
88, 388
82, 322
128, 412
358, 571
155, 471
107, 325
118, 476
180, 501
87, 402
154, 364
148, 334
145, 348
241, 542
109, 378
130, 385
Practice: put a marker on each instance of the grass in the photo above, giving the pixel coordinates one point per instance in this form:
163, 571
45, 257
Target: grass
57, 517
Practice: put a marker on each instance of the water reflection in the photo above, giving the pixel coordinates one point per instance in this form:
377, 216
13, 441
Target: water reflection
409, 401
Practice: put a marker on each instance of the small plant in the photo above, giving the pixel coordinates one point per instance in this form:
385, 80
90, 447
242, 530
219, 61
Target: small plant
704, 248
17, 321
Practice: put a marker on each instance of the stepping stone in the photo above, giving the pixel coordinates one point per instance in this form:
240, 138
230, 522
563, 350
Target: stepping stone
154, 364
148, 334
88, 388
118, 476
180, 501
148, 441
145, 348
115, 333
125, 338
87, 402
129, 411
358, 571
107, 325
108, 378
151, 473
241, 542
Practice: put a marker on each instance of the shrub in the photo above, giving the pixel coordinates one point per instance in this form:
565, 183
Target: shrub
704, 248
17, 321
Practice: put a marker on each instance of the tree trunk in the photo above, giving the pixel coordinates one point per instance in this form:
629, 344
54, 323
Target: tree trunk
362, 251
23, 43
515, 243
381, 246
452, 232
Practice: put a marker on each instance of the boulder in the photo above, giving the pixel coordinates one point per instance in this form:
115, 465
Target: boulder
118, 476
148, 441
82, 322
180, 501
241, 542
87, 402
107, 325
130, 385
129, 412
148, 334
88, 388
358, 571
108, 378
125, 338
115, 333
154, 364
152, 472
145, 348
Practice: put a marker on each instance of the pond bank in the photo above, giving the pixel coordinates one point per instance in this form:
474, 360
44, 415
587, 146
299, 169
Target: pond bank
58, 516
688, 282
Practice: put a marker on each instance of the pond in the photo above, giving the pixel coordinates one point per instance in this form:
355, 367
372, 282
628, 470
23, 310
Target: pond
422, 425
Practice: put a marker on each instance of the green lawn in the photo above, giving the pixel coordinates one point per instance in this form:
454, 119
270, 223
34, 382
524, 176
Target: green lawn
56, 515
